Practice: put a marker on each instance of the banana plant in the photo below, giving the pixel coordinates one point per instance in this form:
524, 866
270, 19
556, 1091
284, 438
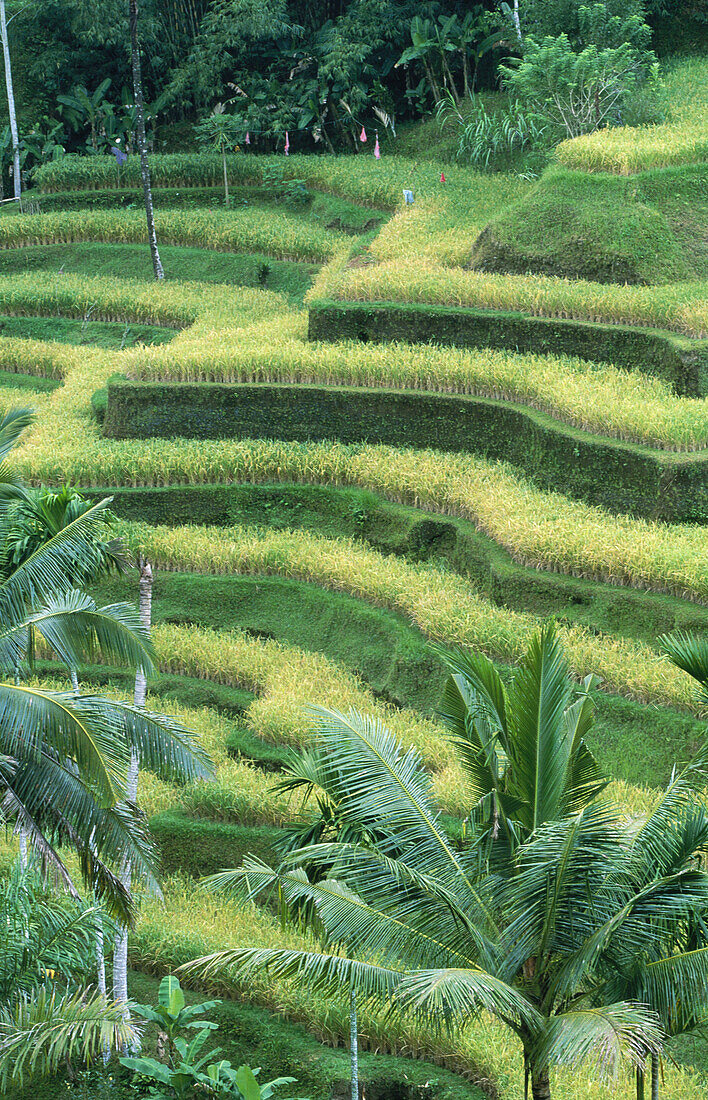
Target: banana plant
84, 108
188, 1072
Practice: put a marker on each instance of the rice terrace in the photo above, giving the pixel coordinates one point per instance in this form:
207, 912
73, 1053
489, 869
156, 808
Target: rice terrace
354, 570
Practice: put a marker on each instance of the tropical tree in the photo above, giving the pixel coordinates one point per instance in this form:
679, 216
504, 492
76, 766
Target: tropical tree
519, 919
64, 756
83, 108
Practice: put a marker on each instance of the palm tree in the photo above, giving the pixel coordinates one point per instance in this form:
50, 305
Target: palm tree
654, 962
520, 919
523, 746
64, 757
120, 946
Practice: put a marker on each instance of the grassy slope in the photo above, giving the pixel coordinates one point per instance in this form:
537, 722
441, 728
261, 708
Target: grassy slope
99, 334
261, 1038
183, 264
641, 229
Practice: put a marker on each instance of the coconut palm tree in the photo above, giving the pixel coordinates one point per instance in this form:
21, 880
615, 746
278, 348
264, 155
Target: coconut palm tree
659, 963
64, 757
428, 928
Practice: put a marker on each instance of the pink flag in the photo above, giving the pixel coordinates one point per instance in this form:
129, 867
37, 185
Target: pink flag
377, 151
362, 135
248, 138
442, 178
287, 144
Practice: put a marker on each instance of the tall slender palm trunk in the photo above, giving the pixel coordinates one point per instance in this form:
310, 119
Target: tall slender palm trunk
655, 1077
16, 176
120, 951
140, 136
354, 1044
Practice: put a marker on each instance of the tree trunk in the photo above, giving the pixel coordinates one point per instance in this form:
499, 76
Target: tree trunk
655, 1077
140, 137
226, 184
640, 1082
517, 22
120, 953
354, 1044
16, 175
541, 1084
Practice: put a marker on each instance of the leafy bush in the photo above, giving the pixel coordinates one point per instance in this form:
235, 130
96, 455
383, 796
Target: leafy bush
575, 93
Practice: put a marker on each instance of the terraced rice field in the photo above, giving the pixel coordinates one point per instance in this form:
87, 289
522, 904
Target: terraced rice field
302, 566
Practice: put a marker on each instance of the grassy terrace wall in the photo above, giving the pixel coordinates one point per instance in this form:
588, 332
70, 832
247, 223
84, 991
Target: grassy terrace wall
619, 476
680, 361
406, 532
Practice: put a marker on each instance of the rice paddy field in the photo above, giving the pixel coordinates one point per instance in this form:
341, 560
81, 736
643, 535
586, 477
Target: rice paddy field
293, 572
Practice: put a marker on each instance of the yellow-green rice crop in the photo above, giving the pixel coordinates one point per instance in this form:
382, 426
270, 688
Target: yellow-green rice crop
682, 307
274, 232
248, 335
192, 923
541, 529
444, 606
359, 178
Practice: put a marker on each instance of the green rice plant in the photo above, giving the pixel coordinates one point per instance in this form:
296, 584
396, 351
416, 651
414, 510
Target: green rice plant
275, 232
249, 335
360, 178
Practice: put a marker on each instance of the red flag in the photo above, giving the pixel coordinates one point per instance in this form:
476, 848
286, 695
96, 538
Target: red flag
442, 178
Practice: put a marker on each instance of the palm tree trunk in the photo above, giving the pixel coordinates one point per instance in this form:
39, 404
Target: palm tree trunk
226, 183
140, 136
655, 1077
16, 176
640, 1082
540, 1084
354, 1044
120, 953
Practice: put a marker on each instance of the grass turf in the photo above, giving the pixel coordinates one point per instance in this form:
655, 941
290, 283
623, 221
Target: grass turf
99, 334
183, 264
648, 228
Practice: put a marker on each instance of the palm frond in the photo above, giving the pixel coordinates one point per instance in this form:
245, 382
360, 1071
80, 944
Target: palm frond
539, 755
78, 631
604, 1038
456, 995
386, 786
67, 559
690, 653
318, 971
40, 1031
12, 425
407, 929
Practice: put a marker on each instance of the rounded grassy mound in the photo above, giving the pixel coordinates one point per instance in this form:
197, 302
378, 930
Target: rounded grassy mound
647, 229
